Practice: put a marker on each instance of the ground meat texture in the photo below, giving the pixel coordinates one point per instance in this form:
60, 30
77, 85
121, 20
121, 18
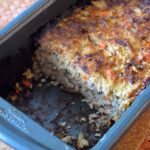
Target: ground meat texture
110, 56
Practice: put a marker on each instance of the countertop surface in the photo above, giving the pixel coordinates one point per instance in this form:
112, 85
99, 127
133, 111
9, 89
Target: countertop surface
3, 146
137, 137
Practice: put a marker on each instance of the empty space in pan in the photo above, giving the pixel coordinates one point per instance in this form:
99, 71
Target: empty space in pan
63, 113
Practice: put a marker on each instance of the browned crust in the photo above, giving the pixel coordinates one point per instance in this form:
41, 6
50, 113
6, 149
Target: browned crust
112, 41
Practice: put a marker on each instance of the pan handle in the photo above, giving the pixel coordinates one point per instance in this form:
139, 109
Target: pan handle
21, 132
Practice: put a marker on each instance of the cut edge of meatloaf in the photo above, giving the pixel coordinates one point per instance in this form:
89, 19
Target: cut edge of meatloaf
101, 53
57, 69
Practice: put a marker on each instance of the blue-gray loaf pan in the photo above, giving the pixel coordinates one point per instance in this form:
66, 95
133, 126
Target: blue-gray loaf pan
22, 133
16, 128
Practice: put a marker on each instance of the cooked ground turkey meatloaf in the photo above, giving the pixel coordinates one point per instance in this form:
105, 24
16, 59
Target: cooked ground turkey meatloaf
102, 51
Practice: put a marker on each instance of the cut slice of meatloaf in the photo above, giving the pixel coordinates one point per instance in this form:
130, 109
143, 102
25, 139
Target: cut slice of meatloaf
102, 51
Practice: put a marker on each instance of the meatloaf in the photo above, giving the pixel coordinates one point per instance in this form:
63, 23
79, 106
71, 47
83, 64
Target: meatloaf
101, 51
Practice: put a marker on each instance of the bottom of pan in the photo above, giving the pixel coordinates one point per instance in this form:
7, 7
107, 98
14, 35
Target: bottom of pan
62, 113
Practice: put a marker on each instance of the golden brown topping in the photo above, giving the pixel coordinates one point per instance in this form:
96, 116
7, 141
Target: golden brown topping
109, 39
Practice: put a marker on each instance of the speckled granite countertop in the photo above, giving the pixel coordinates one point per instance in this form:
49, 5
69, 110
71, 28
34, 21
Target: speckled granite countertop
131, 141
3, 146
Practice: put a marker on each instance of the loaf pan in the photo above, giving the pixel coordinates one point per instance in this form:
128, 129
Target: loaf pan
17, 129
